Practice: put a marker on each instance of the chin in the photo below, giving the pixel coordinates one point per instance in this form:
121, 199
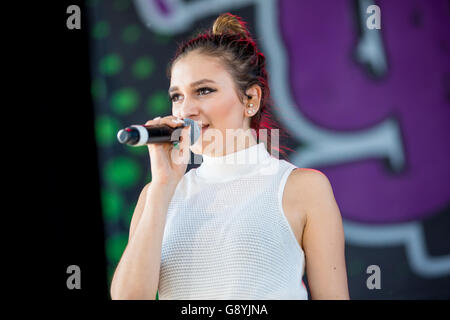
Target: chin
198, 148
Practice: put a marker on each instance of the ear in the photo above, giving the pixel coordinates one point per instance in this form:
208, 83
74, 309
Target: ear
253, 95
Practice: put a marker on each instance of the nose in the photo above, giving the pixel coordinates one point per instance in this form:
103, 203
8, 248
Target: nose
189, 109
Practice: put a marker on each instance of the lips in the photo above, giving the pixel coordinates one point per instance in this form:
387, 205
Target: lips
205, 127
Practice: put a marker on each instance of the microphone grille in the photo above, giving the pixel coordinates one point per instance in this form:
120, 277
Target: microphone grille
195, 129
123, 136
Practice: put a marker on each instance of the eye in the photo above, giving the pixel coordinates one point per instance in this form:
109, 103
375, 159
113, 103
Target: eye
206, 88
172, 97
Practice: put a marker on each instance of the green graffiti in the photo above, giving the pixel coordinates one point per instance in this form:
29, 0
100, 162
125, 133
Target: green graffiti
139, 151
111, 64
106, 128
143, 67
115, 245
112, 205
98, 89
125, 101
131, 34
158, 104
100, 30
122, 172
129, 215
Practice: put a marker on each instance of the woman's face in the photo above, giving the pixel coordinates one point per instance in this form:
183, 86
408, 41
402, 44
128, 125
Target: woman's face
201, 89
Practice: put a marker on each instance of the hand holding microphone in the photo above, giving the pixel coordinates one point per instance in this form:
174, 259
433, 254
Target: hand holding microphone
138, 135
168, 164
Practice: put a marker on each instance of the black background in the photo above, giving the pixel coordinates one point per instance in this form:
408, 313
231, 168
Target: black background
68, 190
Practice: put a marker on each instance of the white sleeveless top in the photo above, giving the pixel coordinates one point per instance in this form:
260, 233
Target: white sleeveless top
226, 236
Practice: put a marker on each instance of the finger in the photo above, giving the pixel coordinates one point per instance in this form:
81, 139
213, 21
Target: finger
172, 121
153, 122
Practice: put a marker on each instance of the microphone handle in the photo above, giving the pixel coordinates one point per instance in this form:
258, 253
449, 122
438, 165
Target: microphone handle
163, 133
139, 135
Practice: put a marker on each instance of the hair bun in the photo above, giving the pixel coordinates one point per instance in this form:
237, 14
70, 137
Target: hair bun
230, 23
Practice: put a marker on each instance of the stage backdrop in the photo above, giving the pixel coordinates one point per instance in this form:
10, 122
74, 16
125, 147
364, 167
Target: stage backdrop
369, 108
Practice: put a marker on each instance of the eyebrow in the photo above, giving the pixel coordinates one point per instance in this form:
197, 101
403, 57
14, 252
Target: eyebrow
193, 84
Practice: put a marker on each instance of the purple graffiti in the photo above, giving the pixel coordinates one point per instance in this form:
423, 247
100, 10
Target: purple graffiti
336, 92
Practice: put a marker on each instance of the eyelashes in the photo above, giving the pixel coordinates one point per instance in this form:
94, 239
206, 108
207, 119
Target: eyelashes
172, 97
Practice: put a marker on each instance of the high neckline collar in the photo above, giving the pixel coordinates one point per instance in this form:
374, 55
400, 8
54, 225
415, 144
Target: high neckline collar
234, 165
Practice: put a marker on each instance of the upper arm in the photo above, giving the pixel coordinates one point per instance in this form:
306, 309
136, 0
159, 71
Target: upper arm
323, 238
138, 210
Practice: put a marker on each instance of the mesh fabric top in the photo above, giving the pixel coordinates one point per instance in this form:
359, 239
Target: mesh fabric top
226, 236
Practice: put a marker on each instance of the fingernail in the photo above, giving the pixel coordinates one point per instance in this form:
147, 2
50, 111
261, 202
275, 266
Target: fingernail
157, 118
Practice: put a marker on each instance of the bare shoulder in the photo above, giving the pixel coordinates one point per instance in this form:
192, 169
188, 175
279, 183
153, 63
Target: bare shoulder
295, 184
308, 187
308, 173
296, 197
306, 179
320, 206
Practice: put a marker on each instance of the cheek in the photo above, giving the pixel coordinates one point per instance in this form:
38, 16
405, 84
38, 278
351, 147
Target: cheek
226, 110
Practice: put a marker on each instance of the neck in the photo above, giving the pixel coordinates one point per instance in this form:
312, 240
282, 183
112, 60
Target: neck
231, 147
233, 165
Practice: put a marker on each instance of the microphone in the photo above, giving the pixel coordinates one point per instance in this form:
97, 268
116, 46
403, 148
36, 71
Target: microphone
139, 135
